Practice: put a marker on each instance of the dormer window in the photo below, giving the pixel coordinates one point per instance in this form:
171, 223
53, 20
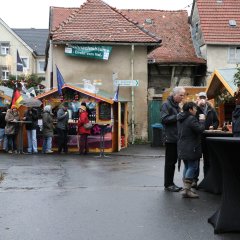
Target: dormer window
148, 21
232, 23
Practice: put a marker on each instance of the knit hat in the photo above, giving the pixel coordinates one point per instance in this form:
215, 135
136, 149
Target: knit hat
83, 108
47, 108
65, 104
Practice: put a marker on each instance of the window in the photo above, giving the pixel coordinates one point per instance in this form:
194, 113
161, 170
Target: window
5, 48
5, 73
25, 62
40, 66
234, 55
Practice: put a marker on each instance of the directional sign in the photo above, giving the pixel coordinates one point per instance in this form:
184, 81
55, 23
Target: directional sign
127, 83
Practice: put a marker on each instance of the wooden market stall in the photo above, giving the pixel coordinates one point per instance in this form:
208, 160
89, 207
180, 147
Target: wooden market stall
102, 111
221, 88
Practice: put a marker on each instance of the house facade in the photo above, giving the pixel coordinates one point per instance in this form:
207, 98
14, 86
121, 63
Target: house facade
75, 32
30, 46
215, 26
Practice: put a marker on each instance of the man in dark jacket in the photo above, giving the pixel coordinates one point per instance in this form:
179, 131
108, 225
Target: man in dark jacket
31, 116
211, 123
62, 128
168, 117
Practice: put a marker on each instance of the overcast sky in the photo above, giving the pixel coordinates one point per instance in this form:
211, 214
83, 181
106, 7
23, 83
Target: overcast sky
35, 13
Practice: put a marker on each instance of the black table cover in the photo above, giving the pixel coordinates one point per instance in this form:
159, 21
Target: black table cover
212, 182
227, 217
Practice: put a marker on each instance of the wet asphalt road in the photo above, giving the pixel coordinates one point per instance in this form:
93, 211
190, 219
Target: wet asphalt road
69, 197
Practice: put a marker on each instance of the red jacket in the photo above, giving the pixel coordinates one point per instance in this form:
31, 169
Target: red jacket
83, 118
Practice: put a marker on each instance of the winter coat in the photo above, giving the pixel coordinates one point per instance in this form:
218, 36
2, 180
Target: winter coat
189, 136
83, 118
168, 117
32, 116
11, 127
47, 124
236, 121
211, 117
62, 119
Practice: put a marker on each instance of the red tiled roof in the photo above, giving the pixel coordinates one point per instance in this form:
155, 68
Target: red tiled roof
173, 28
214, 20
96, 21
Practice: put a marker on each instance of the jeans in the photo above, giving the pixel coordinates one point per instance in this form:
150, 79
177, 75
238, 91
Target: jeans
83, 146
11, 142
3, 138
47, 144
190, 168
32, 140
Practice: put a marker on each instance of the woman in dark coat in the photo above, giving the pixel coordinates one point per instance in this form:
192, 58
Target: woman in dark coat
82, 131
189, 144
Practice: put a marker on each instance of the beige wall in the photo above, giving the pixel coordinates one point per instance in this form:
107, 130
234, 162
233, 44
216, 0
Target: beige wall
75, 69
15, 44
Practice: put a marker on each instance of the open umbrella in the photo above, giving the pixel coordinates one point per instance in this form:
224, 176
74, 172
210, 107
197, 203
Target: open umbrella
31, 102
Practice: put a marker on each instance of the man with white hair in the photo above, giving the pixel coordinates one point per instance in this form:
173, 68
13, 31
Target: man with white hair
168, 116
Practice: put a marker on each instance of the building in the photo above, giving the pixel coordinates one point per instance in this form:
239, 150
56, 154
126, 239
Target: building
30, 44
216, 32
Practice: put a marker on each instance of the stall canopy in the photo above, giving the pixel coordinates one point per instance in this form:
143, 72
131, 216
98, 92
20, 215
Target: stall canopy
100, 94
221, 78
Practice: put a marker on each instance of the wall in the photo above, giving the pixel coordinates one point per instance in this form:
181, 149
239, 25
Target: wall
75, 69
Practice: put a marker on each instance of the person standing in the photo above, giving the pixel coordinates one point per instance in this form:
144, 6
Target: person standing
31, 116
168, 117
82, 131
62, 128
189, 144
11, 128
47, 119
3, 137
211, 123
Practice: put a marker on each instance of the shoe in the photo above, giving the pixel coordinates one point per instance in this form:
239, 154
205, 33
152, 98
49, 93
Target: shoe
10, 151
194, 185
173, 188
49, 151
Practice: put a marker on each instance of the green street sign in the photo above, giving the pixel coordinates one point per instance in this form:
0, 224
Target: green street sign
89, 51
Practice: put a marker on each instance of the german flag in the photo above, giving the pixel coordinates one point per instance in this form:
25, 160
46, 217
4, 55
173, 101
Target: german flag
16, 98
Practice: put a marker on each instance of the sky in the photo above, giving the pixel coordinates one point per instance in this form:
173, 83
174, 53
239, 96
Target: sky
35, 13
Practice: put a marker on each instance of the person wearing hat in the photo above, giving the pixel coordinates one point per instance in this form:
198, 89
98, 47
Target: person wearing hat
82, 131
236, 115
62, 128
11, 128
211, 122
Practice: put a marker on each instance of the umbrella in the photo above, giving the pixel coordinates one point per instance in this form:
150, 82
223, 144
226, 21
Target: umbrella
31, 102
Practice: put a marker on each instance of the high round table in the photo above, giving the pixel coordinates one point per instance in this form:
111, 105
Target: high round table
226, 150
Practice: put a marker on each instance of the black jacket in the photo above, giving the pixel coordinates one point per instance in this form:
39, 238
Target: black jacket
168, 117
189, 136
211, 117
2, 119
31, 116
236, 121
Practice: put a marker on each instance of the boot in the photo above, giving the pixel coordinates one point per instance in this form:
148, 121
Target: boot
187, 192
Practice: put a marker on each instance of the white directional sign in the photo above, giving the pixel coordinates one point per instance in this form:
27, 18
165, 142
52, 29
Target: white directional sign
127, 83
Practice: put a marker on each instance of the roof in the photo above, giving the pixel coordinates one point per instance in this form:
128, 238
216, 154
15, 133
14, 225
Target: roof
214, 20
96, 21
35, 38
221, 77
101, 95
173, 28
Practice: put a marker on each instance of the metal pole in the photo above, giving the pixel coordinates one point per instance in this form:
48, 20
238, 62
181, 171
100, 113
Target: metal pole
132, 96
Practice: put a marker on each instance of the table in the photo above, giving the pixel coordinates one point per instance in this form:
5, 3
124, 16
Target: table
212, 181
20, 134
227, 217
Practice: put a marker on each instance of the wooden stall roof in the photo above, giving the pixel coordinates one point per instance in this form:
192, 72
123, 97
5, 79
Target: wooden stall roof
101, 95
221, 77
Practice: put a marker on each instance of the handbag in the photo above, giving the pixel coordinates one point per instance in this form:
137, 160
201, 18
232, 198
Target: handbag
88, 125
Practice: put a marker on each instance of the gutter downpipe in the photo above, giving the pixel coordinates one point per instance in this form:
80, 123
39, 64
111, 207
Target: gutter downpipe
132, 95
51, 65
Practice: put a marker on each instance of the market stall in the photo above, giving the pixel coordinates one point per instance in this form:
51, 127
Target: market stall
102, 110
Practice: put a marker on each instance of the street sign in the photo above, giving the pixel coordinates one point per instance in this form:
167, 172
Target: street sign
127, 83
